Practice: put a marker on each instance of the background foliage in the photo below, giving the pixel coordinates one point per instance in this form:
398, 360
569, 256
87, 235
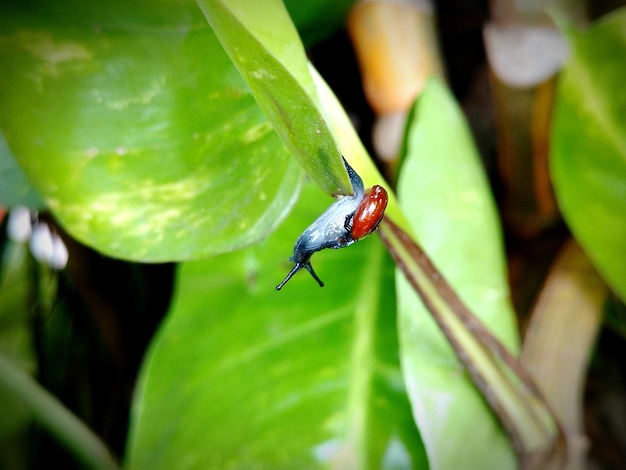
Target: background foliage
128, 125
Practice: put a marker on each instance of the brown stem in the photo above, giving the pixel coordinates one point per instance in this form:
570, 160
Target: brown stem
391, 235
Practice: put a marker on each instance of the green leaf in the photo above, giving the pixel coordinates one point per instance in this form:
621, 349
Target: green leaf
445, 196
351, 146
14, 188
317, 19
588, 145
264, 45
127, 15
146, 144
242, 376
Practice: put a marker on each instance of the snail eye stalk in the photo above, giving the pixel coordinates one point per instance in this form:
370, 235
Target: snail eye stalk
297, 267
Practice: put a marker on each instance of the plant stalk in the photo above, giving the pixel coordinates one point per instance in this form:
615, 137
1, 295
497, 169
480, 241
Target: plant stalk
506, 386
56, 418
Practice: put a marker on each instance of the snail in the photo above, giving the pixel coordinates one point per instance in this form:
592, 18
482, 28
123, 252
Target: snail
347, 220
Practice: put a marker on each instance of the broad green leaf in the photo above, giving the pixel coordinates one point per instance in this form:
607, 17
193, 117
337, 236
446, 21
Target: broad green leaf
588, 145
264, 45
445, 196
127, 15
14, 187
146, 144
315, 19
242, 376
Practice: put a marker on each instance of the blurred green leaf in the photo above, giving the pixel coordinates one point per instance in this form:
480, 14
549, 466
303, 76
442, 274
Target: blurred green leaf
445, 195
242, 376
14, 187
264, 45
146, 145
126, 15
317, 19
588, 153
